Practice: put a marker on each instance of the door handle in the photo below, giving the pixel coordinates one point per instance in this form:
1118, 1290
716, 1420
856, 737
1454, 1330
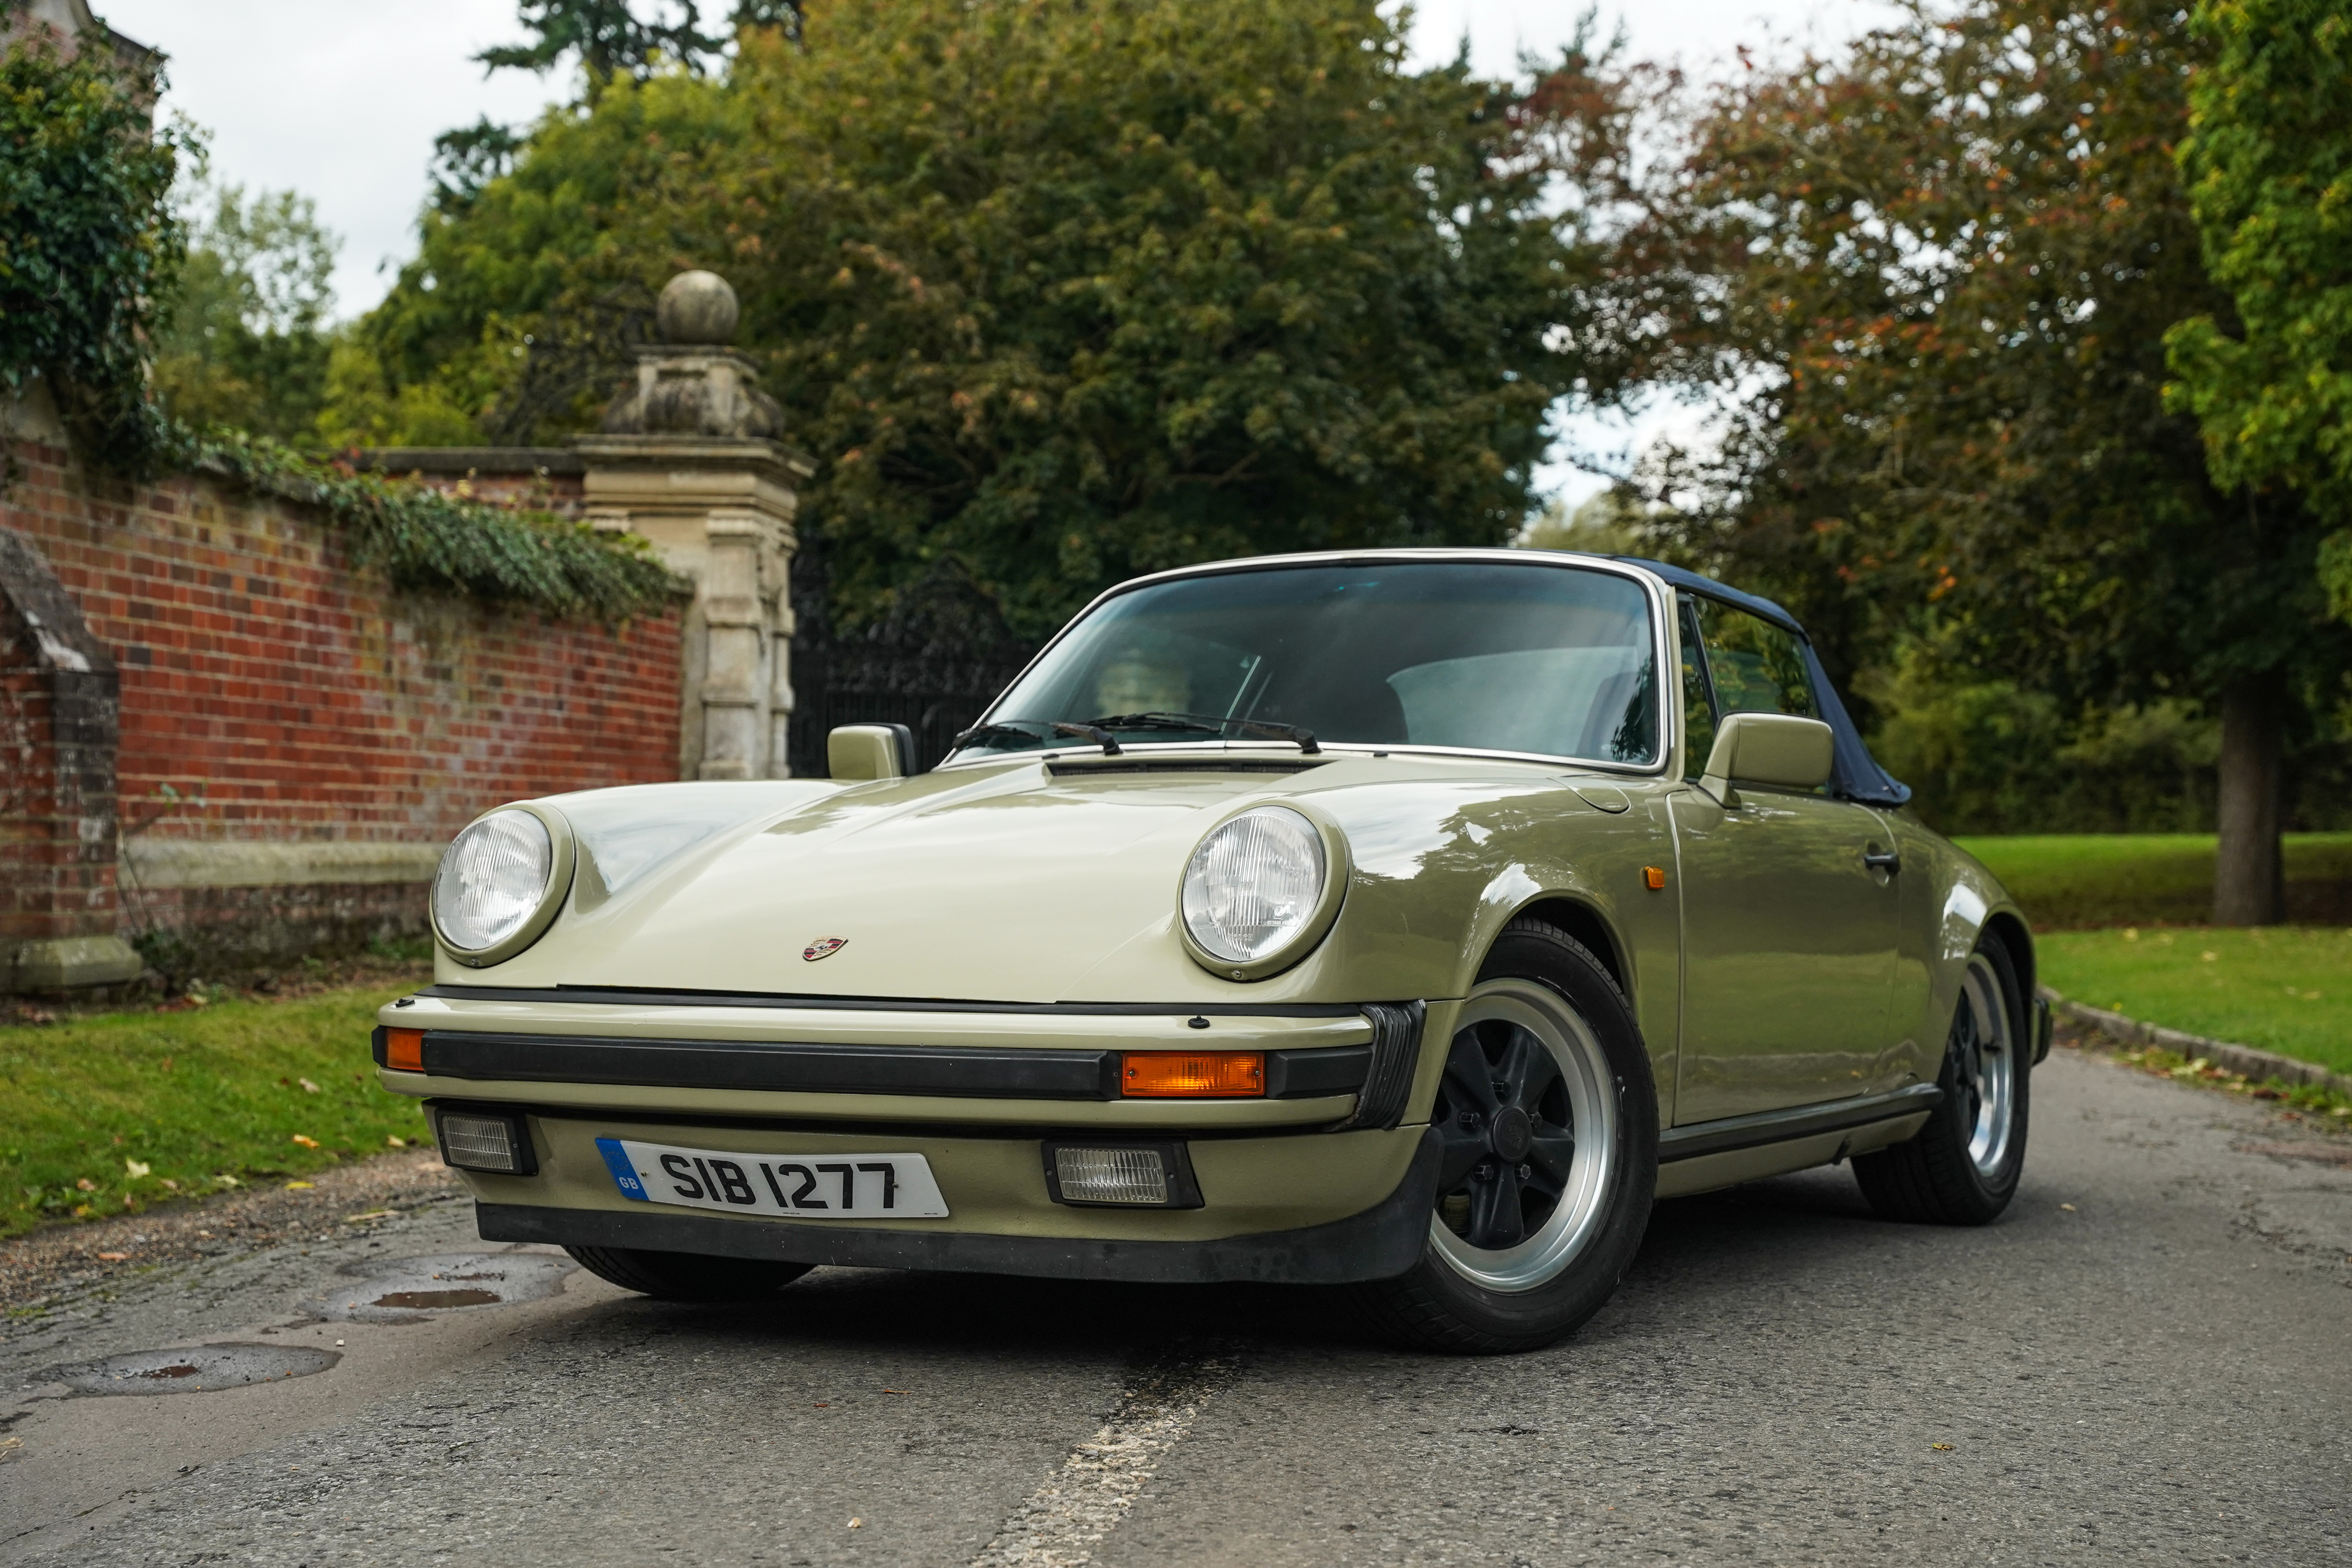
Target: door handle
1886, 860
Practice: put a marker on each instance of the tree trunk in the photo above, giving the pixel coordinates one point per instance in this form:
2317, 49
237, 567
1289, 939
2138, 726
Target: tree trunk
2249, 879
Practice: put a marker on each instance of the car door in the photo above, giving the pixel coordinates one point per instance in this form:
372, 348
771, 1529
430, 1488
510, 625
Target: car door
1789, 914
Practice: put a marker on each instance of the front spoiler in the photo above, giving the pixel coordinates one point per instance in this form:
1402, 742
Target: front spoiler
1380, 1243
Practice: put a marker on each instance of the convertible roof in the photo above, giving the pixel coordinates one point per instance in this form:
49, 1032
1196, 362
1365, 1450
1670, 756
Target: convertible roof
1858, 774
1684, 577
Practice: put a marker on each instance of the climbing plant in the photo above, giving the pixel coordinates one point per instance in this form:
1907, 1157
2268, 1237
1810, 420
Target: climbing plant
89, 242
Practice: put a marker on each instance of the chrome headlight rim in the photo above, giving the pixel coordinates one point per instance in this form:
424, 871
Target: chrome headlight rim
1337, 869
562, 859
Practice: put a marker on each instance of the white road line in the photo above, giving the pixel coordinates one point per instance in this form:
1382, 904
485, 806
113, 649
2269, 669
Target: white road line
1090, 1493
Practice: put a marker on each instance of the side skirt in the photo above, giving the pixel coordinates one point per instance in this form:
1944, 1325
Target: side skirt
1711, 1154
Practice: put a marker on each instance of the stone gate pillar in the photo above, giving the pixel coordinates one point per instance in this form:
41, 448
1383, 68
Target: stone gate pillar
690, 458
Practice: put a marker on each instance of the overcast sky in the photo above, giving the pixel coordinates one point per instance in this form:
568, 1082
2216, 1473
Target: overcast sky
340, 99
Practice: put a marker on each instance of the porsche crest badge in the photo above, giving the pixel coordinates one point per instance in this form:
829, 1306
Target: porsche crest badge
824, 947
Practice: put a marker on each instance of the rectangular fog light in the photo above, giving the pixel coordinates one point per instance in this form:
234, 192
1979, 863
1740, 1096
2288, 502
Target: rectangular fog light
1129, 1175
476, 1141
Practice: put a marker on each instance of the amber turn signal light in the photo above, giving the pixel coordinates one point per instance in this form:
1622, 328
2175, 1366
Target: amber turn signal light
1654, 877
404, 1049
1191, 1075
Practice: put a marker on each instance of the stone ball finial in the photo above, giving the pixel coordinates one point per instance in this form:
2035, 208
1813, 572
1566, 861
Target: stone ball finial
697, 307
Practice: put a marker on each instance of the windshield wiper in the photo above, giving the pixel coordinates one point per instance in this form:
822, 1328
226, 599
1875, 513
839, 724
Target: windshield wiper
1094, 733
1165, 720
1003, 727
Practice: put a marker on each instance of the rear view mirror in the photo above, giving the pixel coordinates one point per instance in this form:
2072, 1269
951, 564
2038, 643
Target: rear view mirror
1769, 749
862, 752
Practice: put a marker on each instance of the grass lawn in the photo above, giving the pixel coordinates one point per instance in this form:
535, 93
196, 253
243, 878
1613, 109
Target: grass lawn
2078, 880
2280, 988
113, 1113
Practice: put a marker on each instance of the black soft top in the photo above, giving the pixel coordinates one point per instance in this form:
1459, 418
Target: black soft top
1856, 775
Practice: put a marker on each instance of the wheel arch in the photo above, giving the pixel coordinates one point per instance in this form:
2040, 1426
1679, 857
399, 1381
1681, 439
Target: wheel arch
1579, 919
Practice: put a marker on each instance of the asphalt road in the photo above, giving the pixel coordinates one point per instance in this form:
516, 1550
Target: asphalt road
2160, 1374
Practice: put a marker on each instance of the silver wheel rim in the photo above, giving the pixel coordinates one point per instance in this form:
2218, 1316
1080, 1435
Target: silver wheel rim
1519, 1046
1984, 1050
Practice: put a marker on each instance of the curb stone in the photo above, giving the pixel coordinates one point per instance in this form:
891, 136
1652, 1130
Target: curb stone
2254, 1064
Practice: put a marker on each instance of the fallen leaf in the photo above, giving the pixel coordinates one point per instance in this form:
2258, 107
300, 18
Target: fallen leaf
362, 1218
137, 1168
308, 1087
856, 1524
114, 1258
897, 1391
292, 1187
1942, 1447
2068, 1207
85, 1185
306, 1142
395, 1143
226, 1180
2208, 957
169, 1184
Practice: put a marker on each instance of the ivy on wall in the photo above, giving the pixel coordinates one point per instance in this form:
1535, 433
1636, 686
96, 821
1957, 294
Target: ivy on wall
90, 249
425, 540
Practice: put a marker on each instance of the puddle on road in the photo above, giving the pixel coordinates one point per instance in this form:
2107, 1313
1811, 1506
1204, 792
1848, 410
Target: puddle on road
405, 1290
197, 1369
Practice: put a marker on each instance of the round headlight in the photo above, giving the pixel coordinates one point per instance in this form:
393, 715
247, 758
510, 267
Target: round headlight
492, 880
1254, 885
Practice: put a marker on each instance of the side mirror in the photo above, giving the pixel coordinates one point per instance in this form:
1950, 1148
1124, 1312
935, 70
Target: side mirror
1769, 749
862, 752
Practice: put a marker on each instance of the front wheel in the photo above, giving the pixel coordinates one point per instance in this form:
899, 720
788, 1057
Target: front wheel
687, 1276
1963, 1166
1549, 1123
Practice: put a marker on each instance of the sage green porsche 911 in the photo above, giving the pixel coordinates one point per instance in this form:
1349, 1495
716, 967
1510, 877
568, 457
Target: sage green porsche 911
1404, 921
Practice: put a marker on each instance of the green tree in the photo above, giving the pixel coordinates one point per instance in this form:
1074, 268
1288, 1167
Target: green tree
245, 343
1937, 274
2269, 167
1060, 293
88, 241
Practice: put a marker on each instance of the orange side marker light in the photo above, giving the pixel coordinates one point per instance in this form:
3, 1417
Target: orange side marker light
1655, 878
1193, 1075
404, 1049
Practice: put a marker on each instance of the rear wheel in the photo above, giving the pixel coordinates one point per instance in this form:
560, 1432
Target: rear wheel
687, 1276
1963, 1166
1551, 1127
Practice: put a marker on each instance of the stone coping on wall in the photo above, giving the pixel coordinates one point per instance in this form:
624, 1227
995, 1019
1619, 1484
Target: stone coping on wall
2257, 1065
266, 863
541, 461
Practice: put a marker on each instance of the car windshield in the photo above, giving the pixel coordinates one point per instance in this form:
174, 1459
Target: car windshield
1490, 656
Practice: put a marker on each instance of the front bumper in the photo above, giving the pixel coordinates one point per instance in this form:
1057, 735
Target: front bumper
1378, 1243
1319, 1181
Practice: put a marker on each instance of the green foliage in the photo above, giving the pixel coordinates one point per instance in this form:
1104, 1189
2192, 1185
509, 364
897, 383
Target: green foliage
245, 343
191, 1097
518, 317
2270, 174
1983, 755
425, 539
1943, 267
611, 39
1058, 294
89, 242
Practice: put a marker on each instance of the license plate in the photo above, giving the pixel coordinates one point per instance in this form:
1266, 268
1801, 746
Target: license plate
803, 1186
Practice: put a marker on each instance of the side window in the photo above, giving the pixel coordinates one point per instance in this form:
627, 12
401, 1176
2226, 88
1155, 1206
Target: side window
1754, 666
1698, 706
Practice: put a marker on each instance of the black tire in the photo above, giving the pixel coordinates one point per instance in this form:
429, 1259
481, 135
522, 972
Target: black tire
1435, 1306
687, 1276
1936, 1177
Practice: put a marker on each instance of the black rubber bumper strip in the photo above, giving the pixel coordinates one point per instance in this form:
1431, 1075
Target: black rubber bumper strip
1379, 1244
980, 1072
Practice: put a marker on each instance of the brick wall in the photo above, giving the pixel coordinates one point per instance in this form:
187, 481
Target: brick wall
271, 696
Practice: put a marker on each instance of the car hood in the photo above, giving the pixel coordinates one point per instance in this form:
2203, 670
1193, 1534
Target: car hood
1007, 883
